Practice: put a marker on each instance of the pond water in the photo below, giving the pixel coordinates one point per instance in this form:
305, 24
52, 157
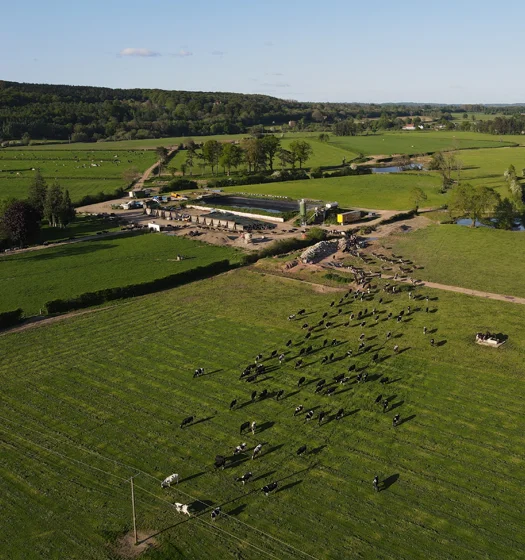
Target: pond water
468, 222
397, 169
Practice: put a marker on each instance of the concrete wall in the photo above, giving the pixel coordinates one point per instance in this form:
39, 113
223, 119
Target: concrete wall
261, 217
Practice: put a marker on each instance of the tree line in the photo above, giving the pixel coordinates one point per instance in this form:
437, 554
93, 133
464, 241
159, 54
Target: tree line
20, 220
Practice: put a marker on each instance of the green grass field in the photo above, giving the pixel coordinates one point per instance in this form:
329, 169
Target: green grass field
92, 400
423, 141
28, 280
381, 191
82, 172
481, 258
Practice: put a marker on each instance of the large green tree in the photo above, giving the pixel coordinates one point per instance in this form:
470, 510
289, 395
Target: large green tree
301, 151
232, 156
20, 222
472, 202
66, 212
37, 192
53, 204
270, 145
211, 152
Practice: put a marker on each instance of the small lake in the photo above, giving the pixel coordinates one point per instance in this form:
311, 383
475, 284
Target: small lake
397, 169
468, 222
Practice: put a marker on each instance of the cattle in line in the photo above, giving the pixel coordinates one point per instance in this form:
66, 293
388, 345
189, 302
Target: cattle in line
215, 513
328, 324
168, 481
349, 352
187, 421
335, 342
298, 364
251, 379
385, 405
254, 395
244, 426
291, 317
351, 368
344, 380
330, 391
273, 354
331, 357
244, 478
321, 418
269, 488
337, 378
384, 380
339, 311
263, 394
298, 410
325, 314
257, 450
378, 399
324, 360
307, 335
301, 450
321, 323
281, 358
301, 381
302, 351
309, 415
245, 373
305, 326
432, 342
198, 371
332, 304
361, 345
258, 358
280, 393
375, 483
325, 342
182, 508
220, 462
240, 449
340, 414
395, 420
396, 349
320, 383
362, 336
388, 335
424, 330
253, 427
289, 343
233, 404
363, 324
301, 312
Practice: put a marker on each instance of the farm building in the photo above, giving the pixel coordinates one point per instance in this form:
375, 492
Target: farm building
154, 226
348, 217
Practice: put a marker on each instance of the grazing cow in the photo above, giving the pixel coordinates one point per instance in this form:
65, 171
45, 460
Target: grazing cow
328, 324
291, 317
385, 405
332, 304
375, 357
359, 314
220, 462
280, 393
325, 342
168, 481
321, 418
245, 373
340, 301
340, 414
426, 309
298, 410
432, 342
244, 426
375, 483
362, 336
254, 395
187, 421
331, 357
309, 415
352, 316
334, 342
324, 359
240, 449
380, 300
232, 404
305, 326
349, 352
253, 427
281, 358
364, 377
256, 450
215, 513
395, 420
307, 335
269, 488
389, 316
298, 364
273, 354
363, 324
338, 378
361, 345
318, 390
396, 349
377, 318
251, 378
359, 377
388, 335
289, 343
399, 318
263, 394
301, 312
302, 351
384, 380
330, 391
321, 323
325, 314
378, 399
344, 380
258, 358
197, 372
408, 310
351, 368
309, 349
320, 383
301, 381
244, 478
301, 450
182, 508
424, 330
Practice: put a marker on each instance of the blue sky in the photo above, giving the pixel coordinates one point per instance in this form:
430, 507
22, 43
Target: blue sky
459, 51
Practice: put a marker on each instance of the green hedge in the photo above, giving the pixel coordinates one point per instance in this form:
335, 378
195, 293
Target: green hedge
90, 299
10, 318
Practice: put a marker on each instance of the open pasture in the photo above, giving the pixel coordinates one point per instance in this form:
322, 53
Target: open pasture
387, 191
92, 400
29, 279
487, 166
82, 172
481, 259
420, 141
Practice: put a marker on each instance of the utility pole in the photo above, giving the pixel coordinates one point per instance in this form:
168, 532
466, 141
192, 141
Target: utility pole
133, 508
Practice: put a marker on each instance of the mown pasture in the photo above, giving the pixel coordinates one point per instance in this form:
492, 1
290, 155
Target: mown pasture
386, 191
82, 172
29, 279
478, 258
420, 141
92, 400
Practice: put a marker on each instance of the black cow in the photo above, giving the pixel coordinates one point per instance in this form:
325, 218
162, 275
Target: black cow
384, 380
280, 393
338, 378
378, 399
254, 394
340, 414
325, 314
395, 420
307, 335
263, 395
321, 417
301, 312
244, 478
251, 378
289, 343
330, 391
298, 364
187, 421
244, 426
220, 462
309, 415
269, 488
385, 405
232, 404
301, 381
351, 368
332, 304
301, 450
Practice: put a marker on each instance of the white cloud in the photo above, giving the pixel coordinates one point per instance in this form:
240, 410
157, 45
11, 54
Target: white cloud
138, 52
182, 53
218, 53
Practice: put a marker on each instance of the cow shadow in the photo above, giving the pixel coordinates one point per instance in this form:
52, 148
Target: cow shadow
404, 350
198, 506
265, 475
203, 420
394, 381
274, 448
262, 379
211, 373
392, 479
191, 477
288, 395
238, 510
441, 343
317, 450
398, 335
288, 486
396, 405
407, 419
265, 426
432, 331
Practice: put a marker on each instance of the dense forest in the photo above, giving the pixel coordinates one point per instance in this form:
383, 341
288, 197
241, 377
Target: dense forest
88, 114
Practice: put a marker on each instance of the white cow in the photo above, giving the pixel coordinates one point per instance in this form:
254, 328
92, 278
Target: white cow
182, 508
167, 482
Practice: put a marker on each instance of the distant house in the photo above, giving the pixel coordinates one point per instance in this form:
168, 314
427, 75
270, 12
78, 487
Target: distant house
409, 127
154, 226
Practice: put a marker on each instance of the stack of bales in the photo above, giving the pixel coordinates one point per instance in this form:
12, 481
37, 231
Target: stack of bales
318, 251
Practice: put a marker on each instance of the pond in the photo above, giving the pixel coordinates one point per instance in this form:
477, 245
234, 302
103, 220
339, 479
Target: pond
268, 205
397, 169
468, 222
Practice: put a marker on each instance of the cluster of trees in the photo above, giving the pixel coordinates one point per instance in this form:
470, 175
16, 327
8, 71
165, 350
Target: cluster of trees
257, 153
20, 219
